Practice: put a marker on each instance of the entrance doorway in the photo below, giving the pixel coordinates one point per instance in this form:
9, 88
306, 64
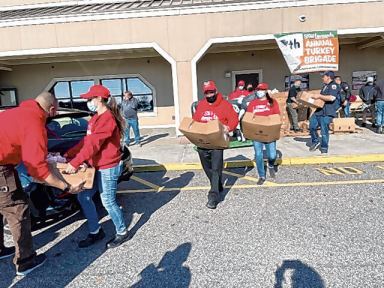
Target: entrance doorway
249, 76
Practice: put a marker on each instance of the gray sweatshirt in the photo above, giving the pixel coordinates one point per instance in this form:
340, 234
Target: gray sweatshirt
129, 108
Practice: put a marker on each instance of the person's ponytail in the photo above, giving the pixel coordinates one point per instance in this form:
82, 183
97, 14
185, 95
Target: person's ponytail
270, 99
115, 110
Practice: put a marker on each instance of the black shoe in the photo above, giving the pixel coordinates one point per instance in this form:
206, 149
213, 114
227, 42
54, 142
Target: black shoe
92, 239
118, 240
7, 252
36, 262
212, 201
272, 171
374, 125
324, 151
364, 125
261, 181
314, 147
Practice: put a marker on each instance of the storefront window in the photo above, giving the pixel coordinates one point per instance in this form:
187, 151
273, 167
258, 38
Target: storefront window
137, 86
68, 93
8, 97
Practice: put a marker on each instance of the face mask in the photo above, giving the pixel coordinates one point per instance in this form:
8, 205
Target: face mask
212, 99
260, 94
91, 106
241, 87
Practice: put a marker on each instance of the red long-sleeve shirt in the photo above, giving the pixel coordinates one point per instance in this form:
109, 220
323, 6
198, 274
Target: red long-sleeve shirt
220, 109
101, 147
23, 137
263, 108
238, 93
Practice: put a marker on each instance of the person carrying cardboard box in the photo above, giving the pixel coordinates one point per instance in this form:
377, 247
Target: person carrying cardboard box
213, 107
292, 104
322, 117
264, 105
100, 148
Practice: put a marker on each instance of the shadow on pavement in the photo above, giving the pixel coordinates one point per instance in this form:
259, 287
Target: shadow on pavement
307, 141
147, 203
153, 138
171, 271
298, 274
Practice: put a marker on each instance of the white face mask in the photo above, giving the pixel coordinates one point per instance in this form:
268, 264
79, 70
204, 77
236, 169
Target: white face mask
241, 87
91, 106
260, 94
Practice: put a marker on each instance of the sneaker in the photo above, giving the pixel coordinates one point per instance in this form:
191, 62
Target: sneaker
374, 125
261, 181
272, 171
118, 240
212, 201
314, 147
324, 151
7, 252
364, 125
92, 239
36, 262
379, 130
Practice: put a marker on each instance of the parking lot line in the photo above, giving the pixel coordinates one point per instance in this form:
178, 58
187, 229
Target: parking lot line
248, 186
147, 183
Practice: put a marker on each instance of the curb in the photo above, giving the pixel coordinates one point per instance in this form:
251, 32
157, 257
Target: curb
315, 160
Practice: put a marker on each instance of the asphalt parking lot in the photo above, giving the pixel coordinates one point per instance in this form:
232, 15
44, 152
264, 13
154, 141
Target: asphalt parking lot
312, 226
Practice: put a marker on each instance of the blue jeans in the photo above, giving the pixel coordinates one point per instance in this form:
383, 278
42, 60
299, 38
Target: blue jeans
106, 184
380, 113
271, 154
347, 109
134, 123
323, 121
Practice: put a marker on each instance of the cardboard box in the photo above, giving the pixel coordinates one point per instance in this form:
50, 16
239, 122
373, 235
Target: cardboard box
83, 174
344, 125
261, 128
205, 135
304, 97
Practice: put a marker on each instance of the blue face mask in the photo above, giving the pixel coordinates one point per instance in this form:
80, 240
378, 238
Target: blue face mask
91, 106
260, 94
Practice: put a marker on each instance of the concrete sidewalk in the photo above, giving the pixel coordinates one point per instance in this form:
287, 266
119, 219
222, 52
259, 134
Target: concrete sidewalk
162, 147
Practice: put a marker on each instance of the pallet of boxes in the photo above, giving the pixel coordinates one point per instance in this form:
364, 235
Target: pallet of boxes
339, 125
303, 115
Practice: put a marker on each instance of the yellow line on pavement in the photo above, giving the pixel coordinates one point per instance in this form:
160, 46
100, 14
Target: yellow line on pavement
146, 183
266, 185
250, 163
253, 179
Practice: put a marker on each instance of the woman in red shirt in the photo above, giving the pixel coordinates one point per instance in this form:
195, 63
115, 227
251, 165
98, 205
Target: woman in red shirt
212, 107
100, 148
264, 105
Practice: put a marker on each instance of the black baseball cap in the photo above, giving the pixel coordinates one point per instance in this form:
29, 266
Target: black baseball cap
329, 74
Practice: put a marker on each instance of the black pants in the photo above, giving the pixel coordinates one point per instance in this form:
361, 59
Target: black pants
213, 164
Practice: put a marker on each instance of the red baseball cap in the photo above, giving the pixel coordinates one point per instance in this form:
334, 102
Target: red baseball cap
262, 86
209, 86
97, 91
241, 83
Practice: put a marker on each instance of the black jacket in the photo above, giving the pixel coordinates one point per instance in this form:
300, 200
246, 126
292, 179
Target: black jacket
366, 93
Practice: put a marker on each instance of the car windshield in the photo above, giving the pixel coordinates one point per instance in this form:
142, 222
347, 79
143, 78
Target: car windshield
67, 127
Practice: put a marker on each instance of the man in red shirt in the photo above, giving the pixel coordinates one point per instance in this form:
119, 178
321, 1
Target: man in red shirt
212, 107
240, 92
23, 138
